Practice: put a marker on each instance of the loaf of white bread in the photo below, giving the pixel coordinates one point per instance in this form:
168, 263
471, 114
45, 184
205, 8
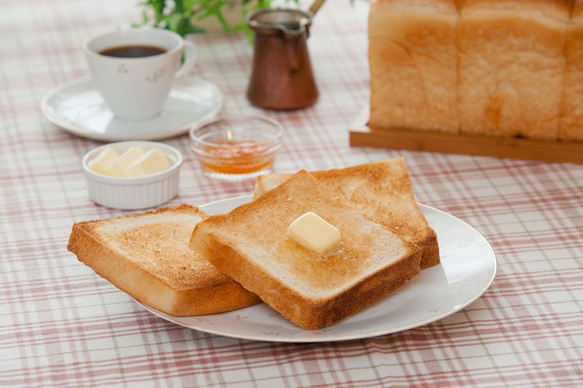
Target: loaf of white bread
487, 67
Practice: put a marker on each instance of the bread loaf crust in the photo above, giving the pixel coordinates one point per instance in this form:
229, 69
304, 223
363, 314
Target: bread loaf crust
180, 285
517, 67
411, 84
511, 67
243, 245
571, 124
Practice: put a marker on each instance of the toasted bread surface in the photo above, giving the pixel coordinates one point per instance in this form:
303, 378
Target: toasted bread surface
250, 244
382, 191
147, 256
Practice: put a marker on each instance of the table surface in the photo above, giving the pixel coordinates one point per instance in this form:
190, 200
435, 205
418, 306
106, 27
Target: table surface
62, 325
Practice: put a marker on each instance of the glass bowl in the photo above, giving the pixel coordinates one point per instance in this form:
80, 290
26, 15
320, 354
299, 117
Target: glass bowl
238, 148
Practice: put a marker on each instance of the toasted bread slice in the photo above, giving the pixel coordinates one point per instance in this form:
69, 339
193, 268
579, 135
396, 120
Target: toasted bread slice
147, 256
251, 245
382, 191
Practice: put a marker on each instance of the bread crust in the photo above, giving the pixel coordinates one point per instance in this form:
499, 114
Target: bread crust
311, 290
411, 84
513, 67
383, 192
160, 271
571, 123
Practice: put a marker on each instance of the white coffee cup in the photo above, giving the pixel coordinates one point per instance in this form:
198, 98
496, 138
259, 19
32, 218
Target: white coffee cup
136, 88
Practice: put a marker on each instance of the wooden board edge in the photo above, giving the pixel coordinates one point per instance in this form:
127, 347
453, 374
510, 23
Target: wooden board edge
361, 135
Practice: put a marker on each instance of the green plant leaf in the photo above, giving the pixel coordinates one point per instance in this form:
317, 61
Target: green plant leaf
181, 16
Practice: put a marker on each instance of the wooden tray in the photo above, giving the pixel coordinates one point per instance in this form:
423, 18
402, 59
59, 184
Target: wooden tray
361, 135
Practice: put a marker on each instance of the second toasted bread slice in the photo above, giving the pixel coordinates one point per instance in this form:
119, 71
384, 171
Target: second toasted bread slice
383, 192
251, 245
147, 256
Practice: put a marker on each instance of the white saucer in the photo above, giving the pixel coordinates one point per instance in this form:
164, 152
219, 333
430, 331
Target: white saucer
77, 107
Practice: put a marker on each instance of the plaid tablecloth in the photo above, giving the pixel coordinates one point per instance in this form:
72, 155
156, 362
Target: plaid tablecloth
63, 326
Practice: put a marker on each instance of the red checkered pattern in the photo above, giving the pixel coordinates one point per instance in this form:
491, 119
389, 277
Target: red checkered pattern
63, 326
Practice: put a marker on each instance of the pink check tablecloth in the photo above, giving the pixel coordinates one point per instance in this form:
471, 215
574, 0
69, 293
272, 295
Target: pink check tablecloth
63, 326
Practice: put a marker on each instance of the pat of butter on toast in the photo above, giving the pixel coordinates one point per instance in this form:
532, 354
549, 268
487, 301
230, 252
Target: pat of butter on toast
314, 233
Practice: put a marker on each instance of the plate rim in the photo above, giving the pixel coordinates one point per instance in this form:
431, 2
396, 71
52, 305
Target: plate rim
338, 338
83, 132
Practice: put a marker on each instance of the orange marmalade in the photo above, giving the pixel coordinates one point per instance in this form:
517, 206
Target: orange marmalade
237, 156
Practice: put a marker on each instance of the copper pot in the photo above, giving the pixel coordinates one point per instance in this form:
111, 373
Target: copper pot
282, 76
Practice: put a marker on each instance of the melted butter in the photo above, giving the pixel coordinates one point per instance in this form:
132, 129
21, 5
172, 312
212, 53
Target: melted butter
324, 271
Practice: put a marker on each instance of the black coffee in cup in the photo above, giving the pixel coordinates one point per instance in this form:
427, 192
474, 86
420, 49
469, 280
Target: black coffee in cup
134, 69
133, 51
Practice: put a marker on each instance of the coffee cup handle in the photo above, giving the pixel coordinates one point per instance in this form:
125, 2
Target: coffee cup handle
189, 61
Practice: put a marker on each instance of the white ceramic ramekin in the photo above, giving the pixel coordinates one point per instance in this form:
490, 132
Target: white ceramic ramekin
134, 192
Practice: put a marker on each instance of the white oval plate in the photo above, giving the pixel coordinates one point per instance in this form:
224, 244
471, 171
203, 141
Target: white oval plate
467, 269
77, 107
